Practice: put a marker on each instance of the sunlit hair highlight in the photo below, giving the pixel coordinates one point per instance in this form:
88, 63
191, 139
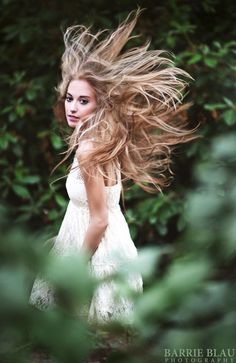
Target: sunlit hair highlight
139, 117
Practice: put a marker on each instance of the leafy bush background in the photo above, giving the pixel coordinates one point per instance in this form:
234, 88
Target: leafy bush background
189, 287
202, 37
189, 294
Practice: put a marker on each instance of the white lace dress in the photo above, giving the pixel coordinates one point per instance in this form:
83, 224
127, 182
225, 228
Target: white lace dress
116, 246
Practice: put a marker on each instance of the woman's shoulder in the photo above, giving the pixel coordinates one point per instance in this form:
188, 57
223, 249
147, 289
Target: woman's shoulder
85, 146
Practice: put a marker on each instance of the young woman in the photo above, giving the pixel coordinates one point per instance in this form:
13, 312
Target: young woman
124, 108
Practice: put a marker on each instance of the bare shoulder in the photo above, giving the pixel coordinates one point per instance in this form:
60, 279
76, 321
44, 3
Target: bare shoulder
85, 147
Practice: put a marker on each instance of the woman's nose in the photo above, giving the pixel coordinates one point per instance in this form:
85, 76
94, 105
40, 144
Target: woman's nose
73, 107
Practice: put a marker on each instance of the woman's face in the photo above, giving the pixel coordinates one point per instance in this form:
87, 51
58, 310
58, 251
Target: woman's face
80, 101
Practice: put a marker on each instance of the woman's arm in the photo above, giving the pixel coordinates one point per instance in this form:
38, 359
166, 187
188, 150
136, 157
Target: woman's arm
96, 196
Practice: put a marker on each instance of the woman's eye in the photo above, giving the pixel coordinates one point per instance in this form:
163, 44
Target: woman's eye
69, 99
83, 101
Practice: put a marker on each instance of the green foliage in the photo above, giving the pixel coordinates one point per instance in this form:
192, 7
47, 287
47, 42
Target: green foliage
191, 302
25, 328
189, 281
189, 294
30, 139
152, 215
189, 286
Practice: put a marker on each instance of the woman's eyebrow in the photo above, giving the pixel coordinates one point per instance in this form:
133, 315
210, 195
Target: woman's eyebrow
69, 94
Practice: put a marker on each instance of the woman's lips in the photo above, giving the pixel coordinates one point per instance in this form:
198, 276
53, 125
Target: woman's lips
73, 118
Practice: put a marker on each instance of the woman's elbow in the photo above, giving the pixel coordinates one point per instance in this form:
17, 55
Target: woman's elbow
100, 222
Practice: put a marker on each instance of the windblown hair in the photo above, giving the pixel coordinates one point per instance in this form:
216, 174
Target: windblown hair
139, 117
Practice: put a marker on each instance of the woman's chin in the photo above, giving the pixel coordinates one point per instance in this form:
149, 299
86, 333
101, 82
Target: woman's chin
70, 124
73, 124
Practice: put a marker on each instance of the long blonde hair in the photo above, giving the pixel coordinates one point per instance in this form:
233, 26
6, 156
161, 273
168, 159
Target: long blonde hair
139, 116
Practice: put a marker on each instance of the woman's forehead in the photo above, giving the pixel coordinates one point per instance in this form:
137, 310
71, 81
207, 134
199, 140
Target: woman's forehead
80, 87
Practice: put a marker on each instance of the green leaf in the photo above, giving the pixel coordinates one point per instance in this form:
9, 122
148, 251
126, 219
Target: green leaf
42, 134
31, 179
229, 117
20, 110
205, 49
6, 110
153, 219
210, 62
31, 94
12, 117
217, 44
214, 106
60, 200
228, 102
52, 215
195, 59
171, 41
4, 142
21, 191
56, 141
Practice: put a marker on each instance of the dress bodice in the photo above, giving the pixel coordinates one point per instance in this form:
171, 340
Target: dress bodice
77, 192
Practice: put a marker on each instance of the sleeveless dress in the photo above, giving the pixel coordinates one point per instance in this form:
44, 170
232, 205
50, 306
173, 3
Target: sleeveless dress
116, 247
